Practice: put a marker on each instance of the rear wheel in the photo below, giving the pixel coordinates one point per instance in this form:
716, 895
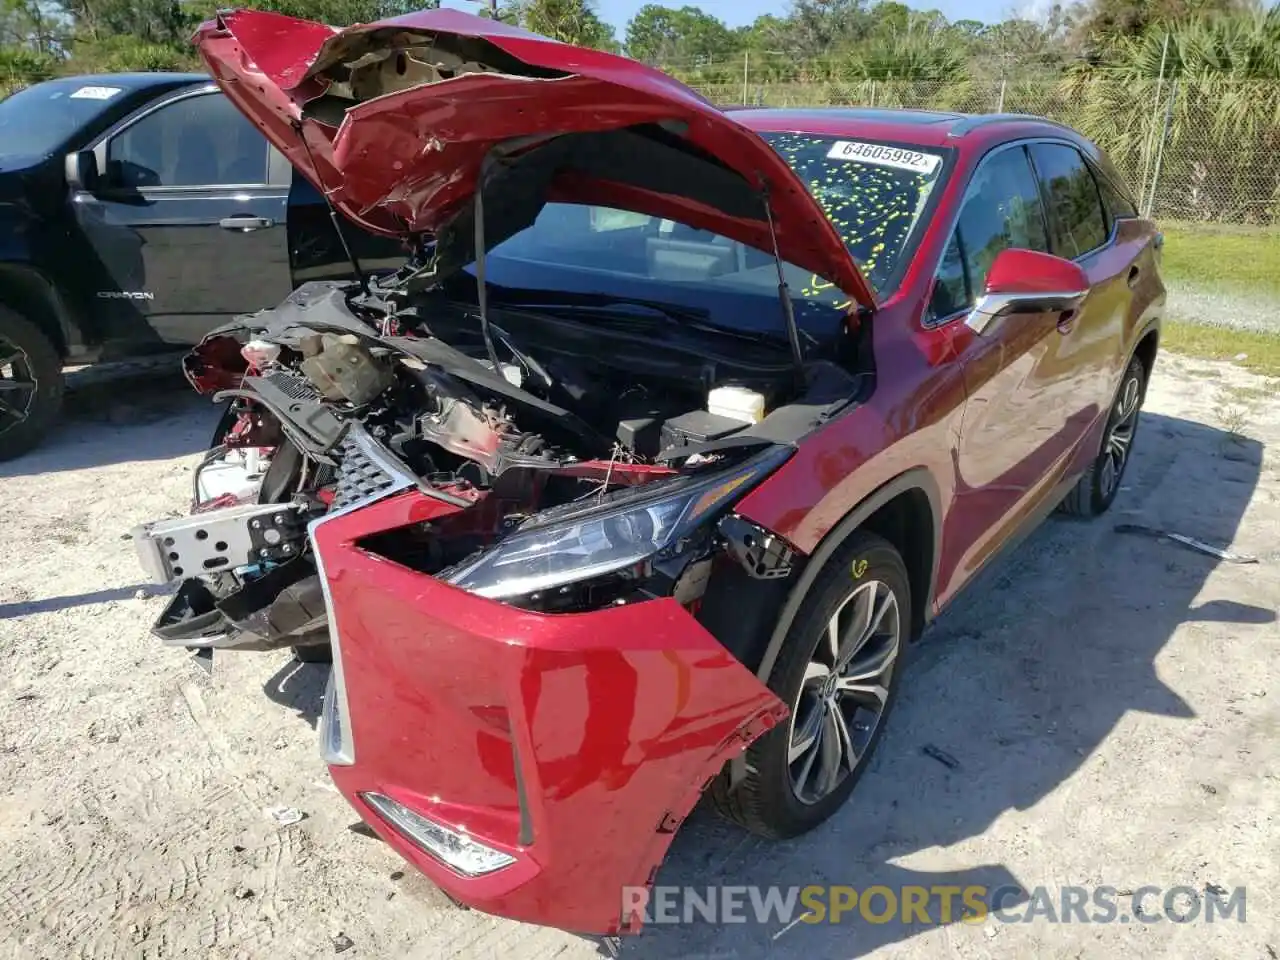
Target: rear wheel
314, 653
30, 384
1096, 490
838, 671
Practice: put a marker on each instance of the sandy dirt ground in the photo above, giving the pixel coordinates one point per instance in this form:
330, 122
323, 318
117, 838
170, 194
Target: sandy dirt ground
1110, 701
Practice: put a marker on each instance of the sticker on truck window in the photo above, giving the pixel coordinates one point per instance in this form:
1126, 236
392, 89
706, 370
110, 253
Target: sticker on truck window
884, 156
95, 93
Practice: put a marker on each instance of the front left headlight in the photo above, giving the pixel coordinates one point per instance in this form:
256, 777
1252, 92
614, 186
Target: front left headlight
572, 544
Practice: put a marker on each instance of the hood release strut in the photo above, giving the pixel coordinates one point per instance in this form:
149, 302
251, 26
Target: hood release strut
333, 213
784, 291
482, 292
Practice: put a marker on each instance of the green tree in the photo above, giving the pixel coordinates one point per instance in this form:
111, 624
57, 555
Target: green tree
907, 56
33, 26
570, 21
888, 18
659, 35
342, 13
147, 21
1105, 21
822, 28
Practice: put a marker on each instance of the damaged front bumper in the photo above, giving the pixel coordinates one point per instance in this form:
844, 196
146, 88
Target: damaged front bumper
565, 748
533, 765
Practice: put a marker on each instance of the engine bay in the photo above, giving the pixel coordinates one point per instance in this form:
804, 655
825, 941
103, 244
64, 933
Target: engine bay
338, 397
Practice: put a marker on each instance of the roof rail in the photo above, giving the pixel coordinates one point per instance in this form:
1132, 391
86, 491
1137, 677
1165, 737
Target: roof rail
973, 121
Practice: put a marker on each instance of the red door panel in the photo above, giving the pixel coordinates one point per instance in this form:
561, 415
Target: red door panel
1021, 420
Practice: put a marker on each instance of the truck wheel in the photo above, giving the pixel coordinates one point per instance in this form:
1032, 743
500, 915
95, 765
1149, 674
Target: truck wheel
1096, 490
314, 653
30, 384
838, 672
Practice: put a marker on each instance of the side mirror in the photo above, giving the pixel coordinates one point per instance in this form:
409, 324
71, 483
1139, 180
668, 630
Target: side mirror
1026, 281
81, 170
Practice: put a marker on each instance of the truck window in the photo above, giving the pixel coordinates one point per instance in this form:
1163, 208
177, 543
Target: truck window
43, 119
193, 142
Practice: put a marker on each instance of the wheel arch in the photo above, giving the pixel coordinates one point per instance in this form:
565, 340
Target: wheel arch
906, 511
27, 291
1146, 347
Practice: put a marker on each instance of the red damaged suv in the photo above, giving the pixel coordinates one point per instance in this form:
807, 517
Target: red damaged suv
675, 427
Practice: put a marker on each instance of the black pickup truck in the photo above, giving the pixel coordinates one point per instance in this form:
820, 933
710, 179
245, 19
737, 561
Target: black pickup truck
137, 212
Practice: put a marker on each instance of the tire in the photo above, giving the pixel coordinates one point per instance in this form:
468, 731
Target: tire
1096, 489
775, 799
30, 357
314, 653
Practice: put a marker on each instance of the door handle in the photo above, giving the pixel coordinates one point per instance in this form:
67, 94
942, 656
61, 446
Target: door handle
245, 223
1134, 274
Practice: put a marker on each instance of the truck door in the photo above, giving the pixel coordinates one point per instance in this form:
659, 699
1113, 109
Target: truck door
187, 222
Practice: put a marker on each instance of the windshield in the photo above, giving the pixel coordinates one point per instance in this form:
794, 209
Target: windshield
39, 120
874, 194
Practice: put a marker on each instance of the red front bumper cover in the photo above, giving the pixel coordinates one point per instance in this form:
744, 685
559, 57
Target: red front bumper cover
575, 743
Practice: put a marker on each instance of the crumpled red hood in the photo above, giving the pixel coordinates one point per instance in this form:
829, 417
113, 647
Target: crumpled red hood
396, 121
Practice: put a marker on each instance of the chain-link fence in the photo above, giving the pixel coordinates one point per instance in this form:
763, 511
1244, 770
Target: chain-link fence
1190, 149
1203, 148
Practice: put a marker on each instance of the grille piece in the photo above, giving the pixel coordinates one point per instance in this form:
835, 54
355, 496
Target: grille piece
359, 476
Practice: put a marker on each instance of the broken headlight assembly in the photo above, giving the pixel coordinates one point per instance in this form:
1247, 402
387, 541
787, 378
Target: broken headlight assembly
619, 535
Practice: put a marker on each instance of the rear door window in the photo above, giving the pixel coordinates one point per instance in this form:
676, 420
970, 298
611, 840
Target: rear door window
1077, 222
1118, 206
1001, 211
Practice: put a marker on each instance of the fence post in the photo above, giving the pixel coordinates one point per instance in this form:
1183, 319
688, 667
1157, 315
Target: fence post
1000, 104
1164, 136
1155, 113
746, 58
873, 93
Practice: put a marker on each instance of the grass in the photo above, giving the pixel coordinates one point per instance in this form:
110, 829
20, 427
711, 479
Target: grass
1261, 350
1231, 418
1219, 255
1249, 394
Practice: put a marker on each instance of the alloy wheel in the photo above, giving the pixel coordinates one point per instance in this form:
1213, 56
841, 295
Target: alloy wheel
1115, 451
17, 385
845, 691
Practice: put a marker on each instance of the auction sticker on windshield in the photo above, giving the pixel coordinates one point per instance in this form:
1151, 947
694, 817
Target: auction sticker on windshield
884, 156
95, 93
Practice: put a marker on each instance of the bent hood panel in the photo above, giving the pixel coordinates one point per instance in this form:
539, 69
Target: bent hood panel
397, 121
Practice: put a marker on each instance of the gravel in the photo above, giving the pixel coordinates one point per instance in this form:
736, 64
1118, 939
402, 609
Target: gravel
1223, 306
1109, 702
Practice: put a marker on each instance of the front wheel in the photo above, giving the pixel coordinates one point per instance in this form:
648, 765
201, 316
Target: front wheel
838, 671
1096, 490
30, 384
